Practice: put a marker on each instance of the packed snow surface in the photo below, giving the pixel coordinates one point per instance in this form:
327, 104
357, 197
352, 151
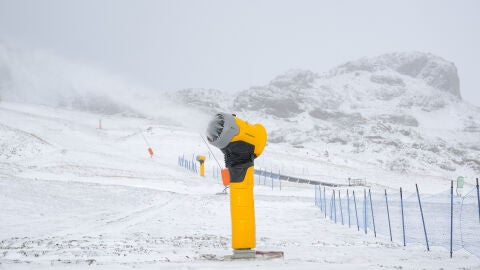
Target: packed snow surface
76, 196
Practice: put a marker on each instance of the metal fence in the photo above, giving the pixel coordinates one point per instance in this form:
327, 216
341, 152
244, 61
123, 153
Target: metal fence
442, 219
188, 164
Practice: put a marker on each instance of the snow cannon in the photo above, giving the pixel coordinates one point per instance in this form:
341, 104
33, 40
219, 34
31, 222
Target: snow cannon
201, 160
240, 143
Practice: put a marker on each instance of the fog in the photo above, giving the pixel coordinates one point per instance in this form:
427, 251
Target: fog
43, 78
232, 45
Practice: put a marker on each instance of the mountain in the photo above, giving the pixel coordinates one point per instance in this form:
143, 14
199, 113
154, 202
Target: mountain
400, 111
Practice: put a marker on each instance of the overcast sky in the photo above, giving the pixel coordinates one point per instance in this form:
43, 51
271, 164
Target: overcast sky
232, 45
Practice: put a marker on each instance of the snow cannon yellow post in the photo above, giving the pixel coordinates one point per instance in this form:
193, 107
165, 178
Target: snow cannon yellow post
201, 159
240, 143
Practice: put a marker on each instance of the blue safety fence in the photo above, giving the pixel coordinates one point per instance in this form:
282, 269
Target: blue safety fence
262, 177
190, 164
444, 219
268, 178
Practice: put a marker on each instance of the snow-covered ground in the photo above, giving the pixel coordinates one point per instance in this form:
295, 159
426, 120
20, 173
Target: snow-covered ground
75, 196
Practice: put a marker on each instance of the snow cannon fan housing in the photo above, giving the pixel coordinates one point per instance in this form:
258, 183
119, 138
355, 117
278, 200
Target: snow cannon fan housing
239, 141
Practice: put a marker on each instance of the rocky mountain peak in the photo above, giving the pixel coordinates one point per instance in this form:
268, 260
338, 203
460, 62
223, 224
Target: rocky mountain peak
433, 70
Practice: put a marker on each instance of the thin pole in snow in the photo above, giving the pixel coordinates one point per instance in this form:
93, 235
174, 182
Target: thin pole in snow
271, 177
265, 177
331, 207
143, 136
478, 202
388, 215
423, 220
451, 220
320, 198
403, 217
325, 202
341, 210
334, 206
365, 209
280, 181
348, 208
373, 216
356, 212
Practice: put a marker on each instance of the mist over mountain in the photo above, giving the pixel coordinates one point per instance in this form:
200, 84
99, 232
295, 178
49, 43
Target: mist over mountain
43, 78
401, 111
40, 77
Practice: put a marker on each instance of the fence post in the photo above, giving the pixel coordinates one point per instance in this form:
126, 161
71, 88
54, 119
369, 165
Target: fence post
356, 212
280, 181
341, 209
478, 202
348, 208
388, 215
365, 209
265, 177
316, 203
331, 208
451, 220
325, 202
259, 175
334, 206
423, 220
373, 216
320, 198
403, 217
271, 177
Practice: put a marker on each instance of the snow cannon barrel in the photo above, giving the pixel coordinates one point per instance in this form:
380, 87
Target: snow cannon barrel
201, 159
240, 143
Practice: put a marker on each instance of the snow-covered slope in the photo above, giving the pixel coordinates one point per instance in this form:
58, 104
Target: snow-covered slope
400, 111
75, 196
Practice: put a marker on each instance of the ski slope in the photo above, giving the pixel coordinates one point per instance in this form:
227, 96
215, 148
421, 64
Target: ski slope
74, 196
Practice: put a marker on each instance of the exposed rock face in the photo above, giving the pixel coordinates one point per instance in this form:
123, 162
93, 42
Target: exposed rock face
433, 70
377, 108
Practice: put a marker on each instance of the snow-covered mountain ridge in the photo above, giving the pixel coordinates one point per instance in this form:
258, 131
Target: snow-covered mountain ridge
401, 111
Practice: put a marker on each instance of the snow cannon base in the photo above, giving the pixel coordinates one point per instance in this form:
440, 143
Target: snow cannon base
250, 254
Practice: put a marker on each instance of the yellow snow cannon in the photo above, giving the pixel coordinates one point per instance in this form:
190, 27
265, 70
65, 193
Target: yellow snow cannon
201, 159
240, 143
